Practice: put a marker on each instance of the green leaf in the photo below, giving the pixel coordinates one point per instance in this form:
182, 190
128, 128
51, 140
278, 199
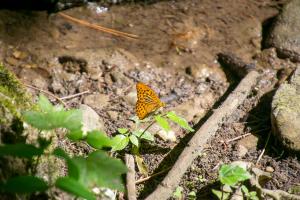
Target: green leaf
253, 195
24, 184
134, 140
20, 150
232, 174
75, 135
250, 195
119, 142
61, 153
192, 195
178, 120
50, 117
122, 130
72, 186
70, 119
163, 123
221, 195
98, 139
98, 169
245, 190
146, 136
101, 170
44, 104
178, 193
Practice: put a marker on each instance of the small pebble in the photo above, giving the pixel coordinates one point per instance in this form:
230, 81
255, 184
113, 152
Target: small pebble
20, 55
242, 151
269, 169
12, 61
97, 101
29, 66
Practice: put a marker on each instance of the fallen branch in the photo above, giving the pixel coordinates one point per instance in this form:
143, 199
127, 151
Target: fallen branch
274, 194
99, 28
208, 130
130, 177
75, 95
238, 137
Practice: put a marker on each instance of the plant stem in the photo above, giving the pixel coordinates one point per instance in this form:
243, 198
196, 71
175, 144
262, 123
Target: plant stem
147, 128
222, 189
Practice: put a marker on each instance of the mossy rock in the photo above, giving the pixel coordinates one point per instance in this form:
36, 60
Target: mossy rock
286, 113
13, 100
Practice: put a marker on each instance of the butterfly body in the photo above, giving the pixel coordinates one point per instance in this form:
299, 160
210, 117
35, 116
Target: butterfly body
147, 102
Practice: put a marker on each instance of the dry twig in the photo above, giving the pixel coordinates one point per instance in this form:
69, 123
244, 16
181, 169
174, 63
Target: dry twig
238, 137
153, 175
46, 92
75, 95
264, 149
274, 194
99, 28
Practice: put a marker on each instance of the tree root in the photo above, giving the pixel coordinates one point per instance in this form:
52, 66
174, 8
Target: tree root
275, 194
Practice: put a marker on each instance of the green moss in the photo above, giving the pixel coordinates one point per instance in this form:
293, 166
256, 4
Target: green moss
13, 98
286, 98
11, 88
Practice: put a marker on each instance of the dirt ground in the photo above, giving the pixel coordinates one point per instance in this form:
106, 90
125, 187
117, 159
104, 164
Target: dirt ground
176, 54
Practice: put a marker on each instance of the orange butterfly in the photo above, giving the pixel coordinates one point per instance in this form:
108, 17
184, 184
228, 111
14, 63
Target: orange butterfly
147, 102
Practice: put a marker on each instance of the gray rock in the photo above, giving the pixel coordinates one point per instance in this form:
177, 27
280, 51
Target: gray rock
269, 169
131, 98
90, 119
241, 151
285, 35
113, 114
195, 109
249, 142
286, 113
97, 101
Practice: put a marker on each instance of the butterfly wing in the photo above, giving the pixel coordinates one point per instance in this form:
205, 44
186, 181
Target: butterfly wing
147, 102
140, 110
147, 95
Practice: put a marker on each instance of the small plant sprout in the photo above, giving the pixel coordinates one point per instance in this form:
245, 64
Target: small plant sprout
178, 193
231, 177
192, 195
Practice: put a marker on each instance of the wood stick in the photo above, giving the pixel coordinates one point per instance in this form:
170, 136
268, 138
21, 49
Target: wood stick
264, 149
153, 175
201, 137
238, 137
130, 177
99, 28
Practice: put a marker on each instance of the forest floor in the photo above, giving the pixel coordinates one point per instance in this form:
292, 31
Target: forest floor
176, 54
